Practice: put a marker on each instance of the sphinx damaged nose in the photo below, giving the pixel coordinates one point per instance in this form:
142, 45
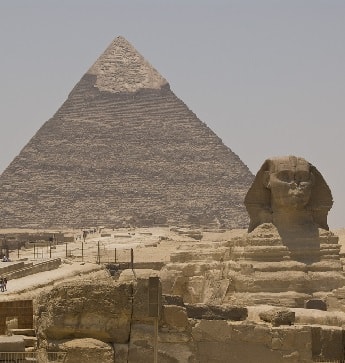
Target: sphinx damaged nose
293, 184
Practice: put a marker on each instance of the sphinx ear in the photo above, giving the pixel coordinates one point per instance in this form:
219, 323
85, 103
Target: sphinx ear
266, 179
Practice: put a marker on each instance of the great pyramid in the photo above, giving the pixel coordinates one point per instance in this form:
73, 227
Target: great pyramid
124, 150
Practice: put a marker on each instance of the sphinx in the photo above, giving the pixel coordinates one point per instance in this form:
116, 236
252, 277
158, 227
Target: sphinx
290, 193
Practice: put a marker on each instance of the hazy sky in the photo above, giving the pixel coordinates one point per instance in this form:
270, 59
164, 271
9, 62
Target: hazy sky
267, 76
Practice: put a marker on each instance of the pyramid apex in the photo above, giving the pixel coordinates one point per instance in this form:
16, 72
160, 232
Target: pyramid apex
121, 68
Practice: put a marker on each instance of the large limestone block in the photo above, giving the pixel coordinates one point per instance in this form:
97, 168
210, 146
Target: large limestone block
278, 316
142, 334
210, 254
86, 350
190, 288
169, 350
216, 312
328, 343
190, 269
336, 300
86, 309
288, 299
317, 304
121, 353
293, 342
177, 353
283, 281
12, 343
271, 282
325, 281
206, 283
221, 341
260, 253
319, 317
141, 300
176, 317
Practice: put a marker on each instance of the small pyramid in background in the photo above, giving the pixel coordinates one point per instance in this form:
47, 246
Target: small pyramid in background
124, 150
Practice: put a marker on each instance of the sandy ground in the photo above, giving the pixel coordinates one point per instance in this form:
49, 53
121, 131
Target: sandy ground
154, 245
149, 245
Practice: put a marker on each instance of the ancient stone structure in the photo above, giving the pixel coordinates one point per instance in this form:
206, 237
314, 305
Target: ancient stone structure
288, 257
292, 194
110, 322
124, 150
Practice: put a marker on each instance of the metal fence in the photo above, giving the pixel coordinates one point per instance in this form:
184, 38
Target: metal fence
101, 255
38, 357
80, 253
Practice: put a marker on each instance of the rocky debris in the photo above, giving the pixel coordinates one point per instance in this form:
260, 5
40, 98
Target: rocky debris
86, 350
278, 317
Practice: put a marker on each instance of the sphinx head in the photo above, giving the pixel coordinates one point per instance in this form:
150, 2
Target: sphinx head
288, 186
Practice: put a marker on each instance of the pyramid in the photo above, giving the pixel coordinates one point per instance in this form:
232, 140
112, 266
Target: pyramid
124, 150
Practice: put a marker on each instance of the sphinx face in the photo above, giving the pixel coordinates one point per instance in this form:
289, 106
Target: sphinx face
291, 185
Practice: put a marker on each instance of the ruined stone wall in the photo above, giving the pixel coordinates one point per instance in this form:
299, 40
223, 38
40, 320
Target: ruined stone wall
112, 318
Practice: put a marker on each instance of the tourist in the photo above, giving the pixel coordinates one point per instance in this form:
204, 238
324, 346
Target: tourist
2, 284
5, 283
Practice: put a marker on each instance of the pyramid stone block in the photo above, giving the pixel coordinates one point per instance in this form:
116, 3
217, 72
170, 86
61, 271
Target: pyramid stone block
124, 150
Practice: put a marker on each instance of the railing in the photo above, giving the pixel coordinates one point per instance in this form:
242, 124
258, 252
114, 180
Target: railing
101, 255
38, 357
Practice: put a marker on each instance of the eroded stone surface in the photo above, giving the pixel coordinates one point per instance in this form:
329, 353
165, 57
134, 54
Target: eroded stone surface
278, 316
94, 309
85, 350
122, 69
292, 194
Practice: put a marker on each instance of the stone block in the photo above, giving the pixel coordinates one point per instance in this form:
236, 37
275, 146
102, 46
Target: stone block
237, 352
141, 300
121, 353
212, 330
225, 341
278, 316
327, 343
95, 309
87, 350
176, 317
12, 344
317, 304
172, 300
216, 312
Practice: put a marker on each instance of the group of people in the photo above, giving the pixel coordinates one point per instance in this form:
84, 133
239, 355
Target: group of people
3, 284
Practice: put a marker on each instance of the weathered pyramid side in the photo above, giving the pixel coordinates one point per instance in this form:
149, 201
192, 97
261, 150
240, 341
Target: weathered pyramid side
123, 149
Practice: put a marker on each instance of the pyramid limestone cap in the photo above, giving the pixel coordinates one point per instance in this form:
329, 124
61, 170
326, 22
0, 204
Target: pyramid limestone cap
122, 69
